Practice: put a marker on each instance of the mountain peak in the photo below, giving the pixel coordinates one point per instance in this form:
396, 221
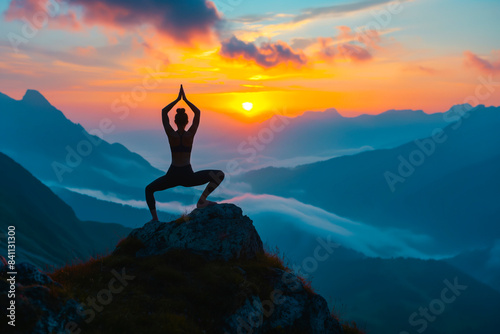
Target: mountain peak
321, 115
460, 108
35, 97
332, 112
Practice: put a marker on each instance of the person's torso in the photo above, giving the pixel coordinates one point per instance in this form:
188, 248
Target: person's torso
181, 145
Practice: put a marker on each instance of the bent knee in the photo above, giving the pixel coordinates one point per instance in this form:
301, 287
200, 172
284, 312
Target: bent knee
149, 189
220, 176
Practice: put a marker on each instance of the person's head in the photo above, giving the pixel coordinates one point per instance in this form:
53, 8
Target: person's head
181, 118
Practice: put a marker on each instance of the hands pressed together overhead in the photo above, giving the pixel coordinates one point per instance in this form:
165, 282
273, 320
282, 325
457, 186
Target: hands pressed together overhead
181, 95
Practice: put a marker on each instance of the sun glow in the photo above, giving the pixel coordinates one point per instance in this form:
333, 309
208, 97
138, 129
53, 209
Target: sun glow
247, 106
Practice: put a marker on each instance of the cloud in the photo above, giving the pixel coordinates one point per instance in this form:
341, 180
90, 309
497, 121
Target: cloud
355, 53
483, 65
40, 13
348, 45
337, 10
181, 20
271, 214
262, 161
369, 240
327, 51
422, 69
302, 43
170, 207
267, 55
254, 18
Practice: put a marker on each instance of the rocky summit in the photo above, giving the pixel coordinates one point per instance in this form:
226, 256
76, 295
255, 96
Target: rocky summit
216, 232
206, 272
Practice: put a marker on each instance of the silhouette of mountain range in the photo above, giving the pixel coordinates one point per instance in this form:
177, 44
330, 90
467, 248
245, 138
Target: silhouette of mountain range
447, 189
322, 133
47, 230
451, 197
379, 294
290, 141
59, 152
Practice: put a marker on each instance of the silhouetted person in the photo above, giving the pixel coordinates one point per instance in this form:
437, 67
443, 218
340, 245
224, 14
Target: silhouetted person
180, 172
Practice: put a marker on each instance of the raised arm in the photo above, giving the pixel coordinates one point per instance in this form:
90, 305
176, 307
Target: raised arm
196, 111
164, 114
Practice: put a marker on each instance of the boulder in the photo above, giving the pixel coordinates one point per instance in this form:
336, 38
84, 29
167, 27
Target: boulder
290, 306
218, 232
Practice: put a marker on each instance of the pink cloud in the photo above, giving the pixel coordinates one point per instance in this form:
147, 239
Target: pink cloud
183, 21
354, 52
41, 14
267, 55
22, 8
421, 68
348, 44
327, 51
483, 65
330, 52
345, 33
84, 51
67, 21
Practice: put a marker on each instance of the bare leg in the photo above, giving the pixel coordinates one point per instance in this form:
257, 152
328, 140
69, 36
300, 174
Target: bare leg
214, 177
203, 202
159, 184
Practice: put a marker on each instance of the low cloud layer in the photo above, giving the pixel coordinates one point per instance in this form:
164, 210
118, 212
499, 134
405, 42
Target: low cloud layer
267, 210
369, 240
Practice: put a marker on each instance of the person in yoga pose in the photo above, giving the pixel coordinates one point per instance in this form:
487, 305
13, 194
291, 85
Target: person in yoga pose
180, 172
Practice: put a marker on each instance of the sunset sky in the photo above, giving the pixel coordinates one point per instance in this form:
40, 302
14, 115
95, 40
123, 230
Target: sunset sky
91, 57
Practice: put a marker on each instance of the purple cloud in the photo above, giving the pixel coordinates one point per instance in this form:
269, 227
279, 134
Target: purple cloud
181, 20
267, 55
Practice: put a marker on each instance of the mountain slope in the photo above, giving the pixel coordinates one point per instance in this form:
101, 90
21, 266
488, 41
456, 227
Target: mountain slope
381, 294
47, 230
452, 187
91, 208
206, 272
58, 151
384, 293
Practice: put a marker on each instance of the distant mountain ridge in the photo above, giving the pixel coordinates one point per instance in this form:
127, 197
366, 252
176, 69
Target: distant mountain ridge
58, 151
455, 185
289, 141
329, 133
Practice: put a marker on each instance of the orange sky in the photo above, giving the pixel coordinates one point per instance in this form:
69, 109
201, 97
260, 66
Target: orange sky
283, 61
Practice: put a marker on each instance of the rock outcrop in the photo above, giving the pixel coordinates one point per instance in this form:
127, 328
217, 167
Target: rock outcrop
290, 306
206, 272
222, 232
217, 232
38, 310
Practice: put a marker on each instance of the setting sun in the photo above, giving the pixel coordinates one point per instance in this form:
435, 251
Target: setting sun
247, 106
